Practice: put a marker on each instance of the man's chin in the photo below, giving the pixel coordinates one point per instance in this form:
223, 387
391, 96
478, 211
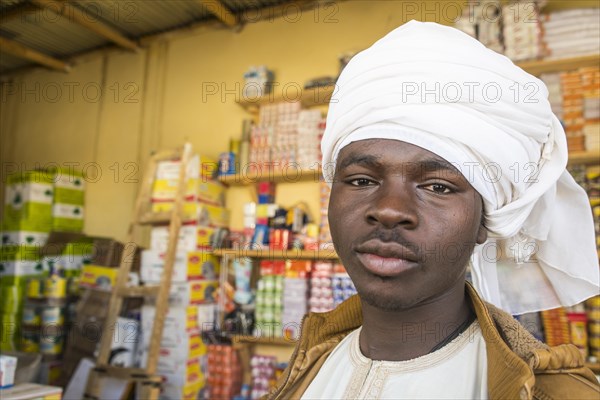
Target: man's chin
386, 303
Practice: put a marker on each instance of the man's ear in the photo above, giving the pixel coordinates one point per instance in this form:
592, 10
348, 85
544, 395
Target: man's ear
482, 234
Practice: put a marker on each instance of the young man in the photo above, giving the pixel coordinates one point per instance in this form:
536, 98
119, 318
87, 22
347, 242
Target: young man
446, 155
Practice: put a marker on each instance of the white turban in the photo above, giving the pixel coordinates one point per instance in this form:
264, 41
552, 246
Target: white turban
437, 88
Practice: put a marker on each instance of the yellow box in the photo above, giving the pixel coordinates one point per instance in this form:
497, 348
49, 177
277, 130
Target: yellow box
211, 192
94, 276
193, 292
166, 189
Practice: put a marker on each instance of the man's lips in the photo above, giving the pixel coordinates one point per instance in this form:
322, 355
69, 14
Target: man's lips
386, 258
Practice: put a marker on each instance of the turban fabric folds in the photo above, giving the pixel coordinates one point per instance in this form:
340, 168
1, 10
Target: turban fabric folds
437, 88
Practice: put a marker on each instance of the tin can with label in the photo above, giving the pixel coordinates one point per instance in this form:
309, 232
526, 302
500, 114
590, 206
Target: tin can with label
55, 287
35, 289
30, 342
31, 316
52, 345
52, 316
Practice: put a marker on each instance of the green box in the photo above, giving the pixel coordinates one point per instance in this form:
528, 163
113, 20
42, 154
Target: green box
28, 202
67, 217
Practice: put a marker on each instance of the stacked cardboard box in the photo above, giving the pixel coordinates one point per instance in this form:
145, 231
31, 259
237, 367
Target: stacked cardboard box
224, 372
182, 360
590, 80
68, 203
556, 327
572, 94
522, 31
572, 33
481, 20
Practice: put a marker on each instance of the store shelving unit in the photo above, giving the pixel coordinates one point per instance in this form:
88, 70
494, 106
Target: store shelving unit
271, 341
584, 158
295, 254
290, 174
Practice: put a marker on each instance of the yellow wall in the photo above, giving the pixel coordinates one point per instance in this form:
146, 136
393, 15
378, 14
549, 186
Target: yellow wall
157, 99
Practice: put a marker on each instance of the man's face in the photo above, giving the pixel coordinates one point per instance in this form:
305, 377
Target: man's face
404, 222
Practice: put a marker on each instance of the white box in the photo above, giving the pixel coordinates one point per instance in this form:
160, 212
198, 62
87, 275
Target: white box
188, 266
180, 320
8, 365
175, 352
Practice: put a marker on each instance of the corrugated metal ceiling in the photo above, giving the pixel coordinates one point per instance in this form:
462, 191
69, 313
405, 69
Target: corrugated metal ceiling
44, 30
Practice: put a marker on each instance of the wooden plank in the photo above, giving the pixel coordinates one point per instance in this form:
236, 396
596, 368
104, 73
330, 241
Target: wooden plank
218, 9
139, 291
116, 301
134, 374
584, 158
323, 254
162, 300
561, 65
290, 174
78, 16
22, 11
22, 51
151, 218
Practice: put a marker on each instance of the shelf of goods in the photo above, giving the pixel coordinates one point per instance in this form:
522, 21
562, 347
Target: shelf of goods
320, 96
294, 254
287, 175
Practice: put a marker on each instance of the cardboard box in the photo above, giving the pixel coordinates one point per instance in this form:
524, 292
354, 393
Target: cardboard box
67, 217
97, 277
177, 352
8, 366
193, 292
186, 392
177, 321
201, 213
212, 192
28, 200
188, 266
191, 237
27, 238
69, 188
183, 374
31, 391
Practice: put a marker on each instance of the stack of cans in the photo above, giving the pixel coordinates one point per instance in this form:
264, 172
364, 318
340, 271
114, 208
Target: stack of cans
224, 372
263, 375
269, 306
321, 294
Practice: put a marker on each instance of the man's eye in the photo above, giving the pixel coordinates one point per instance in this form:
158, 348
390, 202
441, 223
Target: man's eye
438, 188
361, 182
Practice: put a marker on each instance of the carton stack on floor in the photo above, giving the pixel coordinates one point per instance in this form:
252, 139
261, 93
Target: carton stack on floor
68, 204
224, 372
36, 203
192, 308
25, 228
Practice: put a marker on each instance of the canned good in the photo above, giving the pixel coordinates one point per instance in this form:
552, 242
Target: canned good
594, 341
35, 289
53, 316
593, 313
55, 287
594, 328
31, 316
51, 345
30, 342
593, 302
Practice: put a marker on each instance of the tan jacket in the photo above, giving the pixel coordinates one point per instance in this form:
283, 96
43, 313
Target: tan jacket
519, 366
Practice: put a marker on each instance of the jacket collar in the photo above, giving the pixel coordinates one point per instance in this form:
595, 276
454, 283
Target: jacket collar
509, 376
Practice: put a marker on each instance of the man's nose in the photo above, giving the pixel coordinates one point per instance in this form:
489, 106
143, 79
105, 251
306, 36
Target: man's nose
394, 204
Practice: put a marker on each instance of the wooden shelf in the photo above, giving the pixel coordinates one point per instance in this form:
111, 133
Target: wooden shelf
274, 341
318, 96
290, 174
565, 64
584, 158
325, 254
